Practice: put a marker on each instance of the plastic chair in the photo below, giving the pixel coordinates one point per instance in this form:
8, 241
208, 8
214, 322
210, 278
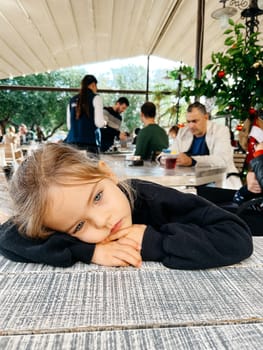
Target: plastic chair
10, 155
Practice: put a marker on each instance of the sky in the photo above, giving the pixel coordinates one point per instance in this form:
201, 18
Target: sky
155, 63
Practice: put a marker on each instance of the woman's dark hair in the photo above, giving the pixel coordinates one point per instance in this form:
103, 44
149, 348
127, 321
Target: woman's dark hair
83, 105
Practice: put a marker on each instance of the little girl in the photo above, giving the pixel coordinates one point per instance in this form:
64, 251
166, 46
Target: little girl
70, 208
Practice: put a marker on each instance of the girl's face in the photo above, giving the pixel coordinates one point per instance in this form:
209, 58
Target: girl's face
90, 212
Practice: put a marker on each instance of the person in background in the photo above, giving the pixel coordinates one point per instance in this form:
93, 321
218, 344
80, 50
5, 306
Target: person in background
254, 185
172, 133
113, 118
247, 202
69, 208
11, 136
204, 142
85, 116
26, 136
40, 134
152, 139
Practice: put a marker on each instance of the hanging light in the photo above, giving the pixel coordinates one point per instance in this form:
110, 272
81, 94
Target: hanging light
225, 11
250, 13
224, 14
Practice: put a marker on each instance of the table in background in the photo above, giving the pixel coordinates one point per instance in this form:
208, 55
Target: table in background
151, 171
96, 307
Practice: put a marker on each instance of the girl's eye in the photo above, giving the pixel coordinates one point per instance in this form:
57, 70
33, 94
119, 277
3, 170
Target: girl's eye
98, 197
78, 227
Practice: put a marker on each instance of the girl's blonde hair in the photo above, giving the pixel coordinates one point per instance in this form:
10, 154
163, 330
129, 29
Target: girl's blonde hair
50, 164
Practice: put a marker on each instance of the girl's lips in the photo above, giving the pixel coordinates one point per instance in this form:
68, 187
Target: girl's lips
116, 227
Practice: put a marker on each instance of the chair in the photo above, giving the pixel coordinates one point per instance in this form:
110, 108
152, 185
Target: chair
240, 161
10, 155
240, 164
154, 155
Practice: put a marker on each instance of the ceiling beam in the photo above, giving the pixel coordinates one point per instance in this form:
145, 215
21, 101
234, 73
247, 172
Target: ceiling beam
165, 26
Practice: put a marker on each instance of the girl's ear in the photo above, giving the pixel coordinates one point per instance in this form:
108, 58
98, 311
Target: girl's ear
107, 170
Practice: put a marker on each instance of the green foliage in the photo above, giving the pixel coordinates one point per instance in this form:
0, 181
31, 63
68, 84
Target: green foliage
170, 100
235, 76
48, 108
184, 72
44, 108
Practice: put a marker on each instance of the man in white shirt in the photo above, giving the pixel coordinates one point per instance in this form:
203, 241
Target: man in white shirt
203, 142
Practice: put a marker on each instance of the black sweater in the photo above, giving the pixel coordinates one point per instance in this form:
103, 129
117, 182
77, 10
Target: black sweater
183, 231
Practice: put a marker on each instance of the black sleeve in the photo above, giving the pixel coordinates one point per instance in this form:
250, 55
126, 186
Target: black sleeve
193, 233
257, 167
58, 249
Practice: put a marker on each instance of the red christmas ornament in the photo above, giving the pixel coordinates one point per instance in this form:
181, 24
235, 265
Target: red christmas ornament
221, 74
239, 127
180, 125
252, 111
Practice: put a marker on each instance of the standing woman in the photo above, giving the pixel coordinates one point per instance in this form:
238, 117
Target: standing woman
85, 116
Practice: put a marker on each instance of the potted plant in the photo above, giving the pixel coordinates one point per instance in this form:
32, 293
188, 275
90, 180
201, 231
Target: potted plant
235, 76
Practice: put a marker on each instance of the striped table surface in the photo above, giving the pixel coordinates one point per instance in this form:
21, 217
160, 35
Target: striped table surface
152, 307
235, 337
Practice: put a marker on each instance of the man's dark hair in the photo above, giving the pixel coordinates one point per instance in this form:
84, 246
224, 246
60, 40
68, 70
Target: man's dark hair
123, 100
148, 109
197, 105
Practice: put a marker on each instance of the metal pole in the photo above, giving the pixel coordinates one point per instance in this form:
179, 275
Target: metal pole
147, 78
199, 38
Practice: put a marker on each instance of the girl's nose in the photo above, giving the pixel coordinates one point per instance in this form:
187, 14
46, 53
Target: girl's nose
99, 219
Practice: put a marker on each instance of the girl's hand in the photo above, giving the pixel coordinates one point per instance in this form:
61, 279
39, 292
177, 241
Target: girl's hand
134, 233
123, 252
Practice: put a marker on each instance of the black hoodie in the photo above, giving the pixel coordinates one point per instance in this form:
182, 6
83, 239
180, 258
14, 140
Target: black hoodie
184, 231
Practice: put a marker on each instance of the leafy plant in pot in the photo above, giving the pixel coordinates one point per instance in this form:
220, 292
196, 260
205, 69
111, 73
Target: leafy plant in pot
235, 79
235, 76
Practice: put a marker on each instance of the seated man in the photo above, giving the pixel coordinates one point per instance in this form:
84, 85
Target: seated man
206, 143
152, 138
113, 118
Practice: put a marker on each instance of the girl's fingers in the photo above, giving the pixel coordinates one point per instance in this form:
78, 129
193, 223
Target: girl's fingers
130, 242
129, 255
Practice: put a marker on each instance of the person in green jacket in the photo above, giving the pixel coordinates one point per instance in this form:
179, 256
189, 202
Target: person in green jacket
152, 138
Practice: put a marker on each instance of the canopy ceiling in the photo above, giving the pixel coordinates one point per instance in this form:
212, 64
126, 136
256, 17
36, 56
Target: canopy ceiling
45, 35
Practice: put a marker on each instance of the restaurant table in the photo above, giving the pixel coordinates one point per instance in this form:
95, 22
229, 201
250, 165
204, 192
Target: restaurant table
96, 307
152, 171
